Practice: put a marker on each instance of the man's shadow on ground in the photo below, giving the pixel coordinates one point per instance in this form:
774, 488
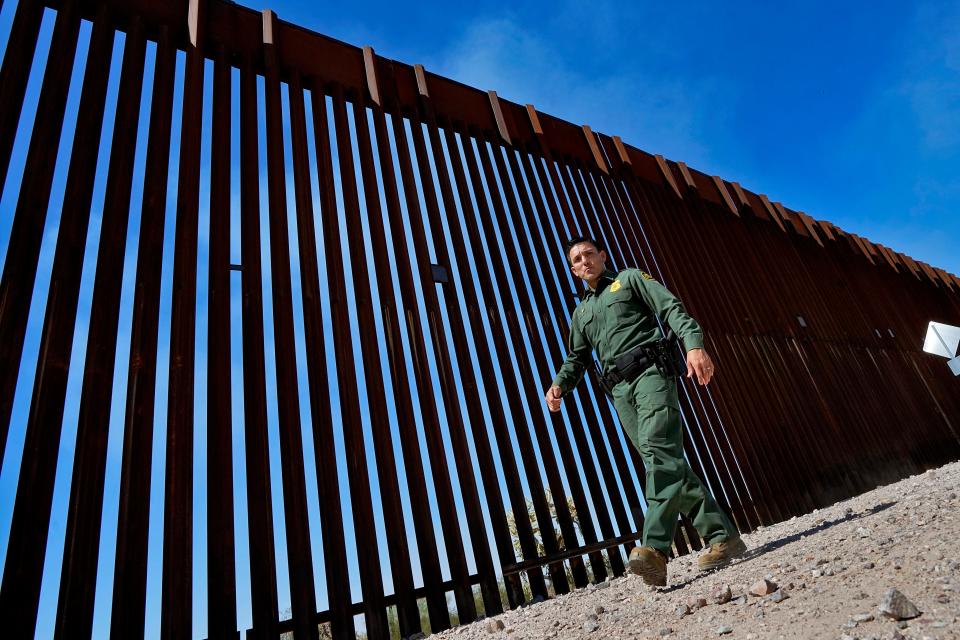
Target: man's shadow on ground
782, 542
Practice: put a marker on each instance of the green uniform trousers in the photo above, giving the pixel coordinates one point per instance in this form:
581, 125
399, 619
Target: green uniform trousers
650, 413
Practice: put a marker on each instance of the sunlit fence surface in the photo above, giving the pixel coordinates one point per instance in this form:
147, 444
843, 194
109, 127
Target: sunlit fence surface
277, 316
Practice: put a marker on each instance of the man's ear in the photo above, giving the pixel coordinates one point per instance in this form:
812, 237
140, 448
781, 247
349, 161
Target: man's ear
603, 256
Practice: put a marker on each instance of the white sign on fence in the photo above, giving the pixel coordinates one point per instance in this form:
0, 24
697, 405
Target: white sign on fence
942, 340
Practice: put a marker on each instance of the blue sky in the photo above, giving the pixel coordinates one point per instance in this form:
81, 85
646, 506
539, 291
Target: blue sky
849, 111
850, 114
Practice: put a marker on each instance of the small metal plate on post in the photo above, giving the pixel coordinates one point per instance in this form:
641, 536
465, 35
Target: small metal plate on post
826, 229
722, 190
594, 148
193, 22
772, 211
440, 275
621, 150
421, 75
668, 175
928, 272
498, 116
687, 178
944, 277
370, 66
269, 22
534, 120
809, 223
741, 196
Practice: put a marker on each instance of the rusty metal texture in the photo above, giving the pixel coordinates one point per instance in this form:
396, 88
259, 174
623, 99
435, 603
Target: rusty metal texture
405, 313
260, 529
133, 521
78, 580
20, 591
221, 543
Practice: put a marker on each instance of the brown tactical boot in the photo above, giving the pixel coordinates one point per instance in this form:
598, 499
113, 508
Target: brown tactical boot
719, 554
650, 564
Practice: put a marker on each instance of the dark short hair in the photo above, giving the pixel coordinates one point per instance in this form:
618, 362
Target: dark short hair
575, 240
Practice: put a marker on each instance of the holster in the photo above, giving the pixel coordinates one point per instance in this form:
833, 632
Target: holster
670, 358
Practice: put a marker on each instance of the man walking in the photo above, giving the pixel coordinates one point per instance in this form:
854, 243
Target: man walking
617, 318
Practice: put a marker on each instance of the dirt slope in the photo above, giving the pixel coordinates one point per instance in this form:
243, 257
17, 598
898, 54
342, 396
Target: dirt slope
834, 566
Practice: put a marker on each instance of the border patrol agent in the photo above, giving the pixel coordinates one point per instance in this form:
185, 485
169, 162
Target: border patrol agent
617, 317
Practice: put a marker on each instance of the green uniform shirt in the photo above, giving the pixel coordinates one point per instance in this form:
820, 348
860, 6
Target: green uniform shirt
620, 315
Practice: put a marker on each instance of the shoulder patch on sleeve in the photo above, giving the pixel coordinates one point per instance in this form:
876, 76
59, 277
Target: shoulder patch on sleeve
646, 276
615, 286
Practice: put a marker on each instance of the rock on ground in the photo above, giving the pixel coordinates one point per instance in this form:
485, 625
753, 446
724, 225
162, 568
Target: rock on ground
832, 568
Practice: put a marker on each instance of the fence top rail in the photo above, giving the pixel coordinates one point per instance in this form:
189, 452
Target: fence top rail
242, 35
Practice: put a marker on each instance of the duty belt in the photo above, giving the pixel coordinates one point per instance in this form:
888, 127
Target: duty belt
665, 353
627, 367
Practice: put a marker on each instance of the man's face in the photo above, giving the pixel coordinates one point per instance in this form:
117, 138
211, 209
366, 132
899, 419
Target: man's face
586, 262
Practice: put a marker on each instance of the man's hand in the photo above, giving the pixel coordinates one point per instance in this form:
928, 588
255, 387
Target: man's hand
553, 398
700, 365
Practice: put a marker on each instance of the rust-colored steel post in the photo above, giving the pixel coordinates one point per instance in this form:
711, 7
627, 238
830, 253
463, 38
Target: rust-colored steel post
299, 556
26, 233
370, 580
408, 614
14, 73
409, 440
263, 576
367, 327
221, 546
20, 594
130, 577
80, 554
176, 610
328, 484
469, 386
451, 530
450, 389
499, 419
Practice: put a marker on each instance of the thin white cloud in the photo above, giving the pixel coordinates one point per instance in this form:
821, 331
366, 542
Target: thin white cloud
932, 76
653, 113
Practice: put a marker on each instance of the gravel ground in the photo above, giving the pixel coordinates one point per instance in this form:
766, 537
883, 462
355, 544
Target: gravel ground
830, 571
